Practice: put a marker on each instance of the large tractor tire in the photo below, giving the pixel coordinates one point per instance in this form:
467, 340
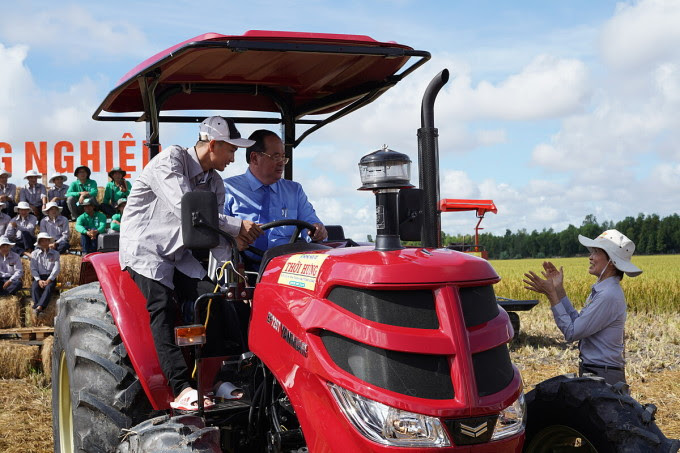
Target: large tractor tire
586, 415
181, 434
95, 391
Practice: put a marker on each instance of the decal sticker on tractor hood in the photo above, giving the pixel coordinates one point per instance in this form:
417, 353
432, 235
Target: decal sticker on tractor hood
302, 271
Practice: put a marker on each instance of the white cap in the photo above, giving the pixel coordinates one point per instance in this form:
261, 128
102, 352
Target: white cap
43, 236
32, 172
5, 241
22, 205
59, 175
5, 172
619, 248
222, 129
49, 205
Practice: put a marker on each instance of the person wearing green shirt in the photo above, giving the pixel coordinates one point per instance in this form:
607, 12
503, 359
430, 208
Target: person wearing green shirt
80, 189
90, 224
115, 219
116, 189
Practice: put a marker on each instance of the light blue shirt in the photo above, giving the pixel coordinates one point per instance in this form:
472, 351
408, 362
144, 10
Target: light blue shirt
244, 196
599, 326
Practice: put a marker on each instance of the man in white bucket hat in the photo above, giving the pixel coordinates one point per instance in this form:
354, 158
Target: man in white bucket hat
56, 225
34, 193
8, 192
45, 267
21, 229
599, 326
11, 269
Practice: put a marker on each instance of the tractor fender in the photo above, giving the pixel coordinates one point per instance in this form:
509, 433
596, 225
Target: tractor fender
128, 309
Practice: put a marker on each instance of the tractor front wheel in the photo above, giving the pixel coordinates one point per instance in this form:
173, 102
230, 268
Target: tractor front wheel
568, 413
181, 434
95, 391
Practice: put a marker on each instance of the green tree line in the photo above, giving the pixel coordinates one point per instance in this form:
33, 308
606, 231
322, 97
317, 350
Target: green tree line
652, 236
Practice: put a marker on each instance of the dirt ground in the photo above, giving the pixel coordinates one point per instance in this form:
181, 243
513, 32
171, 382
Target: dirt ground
653, 372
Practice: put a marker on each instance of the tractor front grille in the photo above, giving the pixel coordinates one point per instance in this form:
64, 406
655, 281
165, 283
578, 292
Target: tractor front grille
493, 370
403, 308
418, 375
478, 304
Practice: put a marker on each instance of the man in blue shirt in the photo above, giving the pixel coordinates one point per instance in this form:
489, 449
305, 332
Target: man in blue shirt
261, 195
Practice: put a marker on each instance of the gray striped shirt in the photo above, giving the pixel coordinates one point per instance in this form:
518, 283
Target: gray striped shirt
45, 263
151, 237
599, 326
57, 228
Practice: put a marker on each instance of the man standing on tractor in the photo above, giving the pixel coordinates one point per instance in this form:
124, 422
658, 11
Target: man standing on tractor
151, 247
261, 195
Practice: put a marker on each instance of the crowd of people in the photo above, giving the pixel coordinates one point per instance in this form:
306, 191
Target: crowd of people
34, 225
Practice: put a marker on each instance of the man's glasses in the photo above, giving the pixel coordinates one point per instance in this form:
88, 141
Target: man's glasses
278, 158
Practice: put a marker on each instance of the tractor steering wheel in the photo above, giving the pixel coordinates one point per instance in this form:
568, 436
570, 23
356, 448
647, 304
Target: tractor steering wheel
298, 224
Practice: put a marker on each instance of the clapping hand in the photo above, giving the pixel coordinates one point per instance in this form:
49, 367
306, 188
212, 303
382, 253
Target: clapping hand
550, 284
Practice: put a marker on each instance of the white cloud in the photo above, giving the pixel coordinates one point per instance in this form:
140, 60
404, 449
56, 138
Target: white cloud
641, 34
16, 85
72, 31
547, 87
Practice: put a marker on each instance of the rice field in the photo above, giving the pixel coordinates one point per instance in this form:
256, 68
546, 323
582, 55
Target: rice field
657, 290
540, 352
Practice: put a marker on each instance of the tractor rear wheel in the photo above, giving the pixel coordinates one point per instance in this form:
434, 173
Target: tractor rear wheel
95, 391
568, 413
181, 434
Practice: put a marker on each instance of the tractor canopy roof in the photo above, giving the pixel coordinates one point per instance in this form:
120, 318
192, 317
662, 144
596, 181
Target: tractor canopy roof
290, 73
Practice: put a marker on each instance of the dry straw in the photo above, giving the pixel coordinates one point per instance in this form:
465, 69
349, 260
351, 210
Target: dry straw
17, 360
46, 357
10, 312
46, 318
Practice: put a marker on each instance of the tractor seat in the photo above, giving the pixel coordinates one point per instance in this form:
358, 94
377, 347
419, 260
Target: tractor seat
286, 249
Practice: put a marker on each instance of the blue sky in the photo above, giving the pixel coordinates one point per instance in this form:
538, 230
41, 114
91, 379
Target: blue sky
555, 110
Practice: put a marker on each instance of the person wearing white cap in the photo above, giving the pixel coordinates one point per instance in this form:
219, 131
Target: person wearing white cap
22, 229
11, 269
599, 326
57, 193
8, 192
4, 219
151, 247
34, 193
45, 267
56, 225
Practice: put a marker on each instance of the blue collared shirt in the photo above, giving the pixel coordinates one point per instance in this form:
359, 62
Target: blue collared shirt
600, 324
244, 195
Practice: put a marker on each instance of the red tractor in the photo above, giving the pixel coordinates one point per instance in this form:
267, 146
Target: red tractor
348, 348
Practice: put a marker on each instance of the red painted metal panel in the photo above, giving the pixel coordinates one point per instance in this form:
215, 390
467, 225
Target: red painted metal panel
128, 309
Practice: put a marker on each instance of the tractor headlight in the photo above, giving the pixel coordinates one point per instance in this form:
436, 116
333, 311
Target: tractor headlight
511, 420
388, 425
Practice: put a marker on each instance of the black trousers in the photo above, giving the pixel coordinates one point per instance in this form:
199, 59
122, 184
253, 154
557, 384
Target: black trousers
41, 296
225, 333
24, 243
611, 376
163, 309
11, 289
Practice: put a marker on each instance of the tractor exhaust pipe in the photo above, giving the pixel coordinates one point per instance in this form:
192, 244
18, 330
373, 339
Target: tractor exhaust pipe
428, 163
